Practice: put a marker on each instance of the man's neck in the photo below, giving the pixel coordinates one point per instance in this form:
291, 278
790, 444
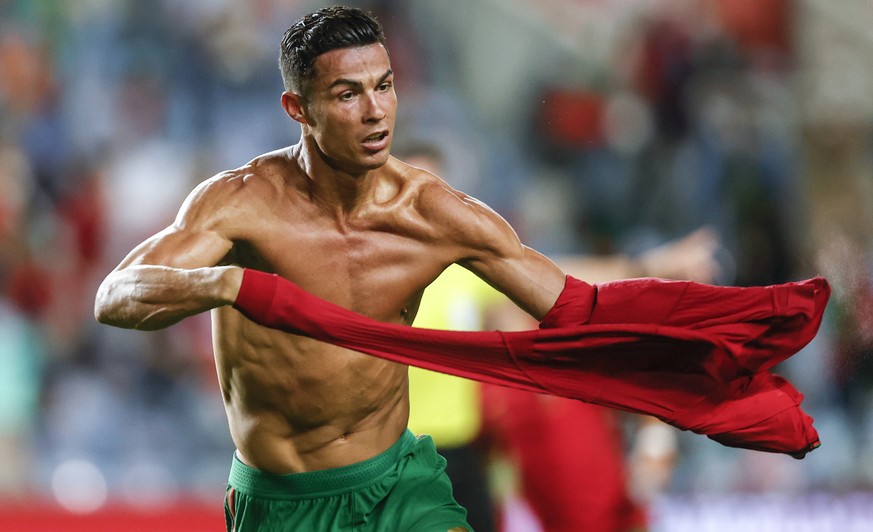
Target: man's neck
332, 188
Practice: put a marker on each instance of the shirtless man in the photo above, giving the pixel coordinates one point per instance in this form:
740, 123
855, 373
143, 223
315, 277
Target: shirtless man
340, 217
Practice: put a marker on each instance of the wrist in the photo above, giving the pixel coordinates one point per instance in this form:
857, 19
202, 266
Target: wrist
229, 283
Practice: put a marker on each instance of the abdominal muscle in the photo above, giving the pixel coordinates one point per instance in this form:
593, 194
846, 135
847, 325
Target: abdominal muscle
295, 404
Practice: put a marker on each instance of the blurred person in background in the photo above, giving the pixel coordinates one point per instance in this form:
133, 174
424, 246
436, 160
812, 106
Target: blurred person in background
574, 468
445, 407
449, 408
543, 435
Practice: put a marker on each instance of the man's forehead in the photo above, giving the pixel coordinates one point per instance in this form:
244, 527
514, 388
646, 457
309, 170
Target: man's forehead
358, 63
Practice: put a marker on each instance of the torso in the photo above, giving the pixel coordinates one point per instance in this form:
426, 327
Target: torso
296, 404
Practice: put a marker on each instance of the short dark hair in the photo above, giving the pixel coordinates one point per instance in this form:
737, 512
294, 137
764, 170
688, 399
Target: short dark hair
319, 32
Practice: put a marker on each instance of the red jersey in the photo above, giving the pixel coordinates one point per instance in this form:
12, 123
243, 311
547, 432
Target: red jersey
696, 356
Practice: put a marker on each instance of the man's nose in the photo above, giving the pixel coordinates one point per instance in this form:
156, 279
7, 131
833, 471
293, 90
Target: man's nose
375, 110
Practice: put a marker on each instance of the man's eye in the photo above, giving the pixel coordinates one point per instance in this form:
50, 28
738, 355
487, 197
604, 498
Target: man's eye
346, 96
385, 86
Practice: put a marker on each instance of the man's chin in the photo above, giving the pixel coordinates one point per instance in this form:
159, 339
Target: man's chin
376, 160
359, 164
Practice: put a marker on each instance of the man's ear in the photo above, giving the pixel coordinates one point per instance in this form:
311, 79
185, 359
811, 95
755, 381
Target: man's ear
293, 105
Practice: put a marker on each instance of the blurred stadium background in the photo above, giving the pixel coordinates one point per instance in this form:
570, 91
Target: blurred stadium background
594, 126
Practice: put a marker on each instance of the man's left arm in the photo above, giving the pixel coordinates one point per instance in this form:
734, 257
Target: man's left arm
480, 240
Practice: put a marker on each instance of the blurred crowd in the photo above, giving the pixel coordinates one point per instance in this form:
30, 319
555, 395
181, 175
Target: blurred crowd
595, 128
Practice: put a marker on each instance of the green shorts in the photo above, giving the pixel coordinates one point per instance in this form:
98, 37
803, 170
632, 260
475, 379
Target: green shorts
403, 489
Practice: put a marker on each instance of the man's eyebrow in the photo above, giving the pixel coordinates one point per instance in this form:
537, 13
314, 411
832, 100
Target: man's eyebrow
355, 83
388, 73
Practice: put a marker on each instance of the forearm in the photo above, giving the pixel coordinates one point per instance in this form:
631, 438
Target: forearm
153, 297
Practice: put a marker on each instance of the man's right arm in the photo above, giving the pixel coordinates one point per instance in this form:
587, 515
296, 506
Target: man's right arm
150, 297
173, 274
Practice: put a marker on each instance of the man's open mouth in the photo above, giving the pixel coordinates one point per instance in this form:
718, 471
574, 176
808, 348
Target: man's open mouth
376, 141
375, 137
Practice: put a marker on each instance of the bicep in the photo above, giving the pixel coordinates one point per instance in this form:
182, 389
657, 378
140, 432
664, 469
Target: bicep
196, 238
175, 247
490, 248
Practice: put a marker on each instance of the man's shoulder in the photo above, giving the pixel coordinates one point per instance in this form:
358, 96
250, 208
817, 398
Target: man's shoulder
426, 186
261, 176
441, 204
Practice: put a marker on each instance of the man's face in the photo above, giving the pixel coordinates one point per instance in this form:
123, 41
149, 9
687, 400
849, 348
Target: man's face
351, 106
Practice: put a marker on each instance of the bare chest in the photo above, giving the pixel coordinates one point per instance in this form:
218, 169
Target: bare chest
379, 271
